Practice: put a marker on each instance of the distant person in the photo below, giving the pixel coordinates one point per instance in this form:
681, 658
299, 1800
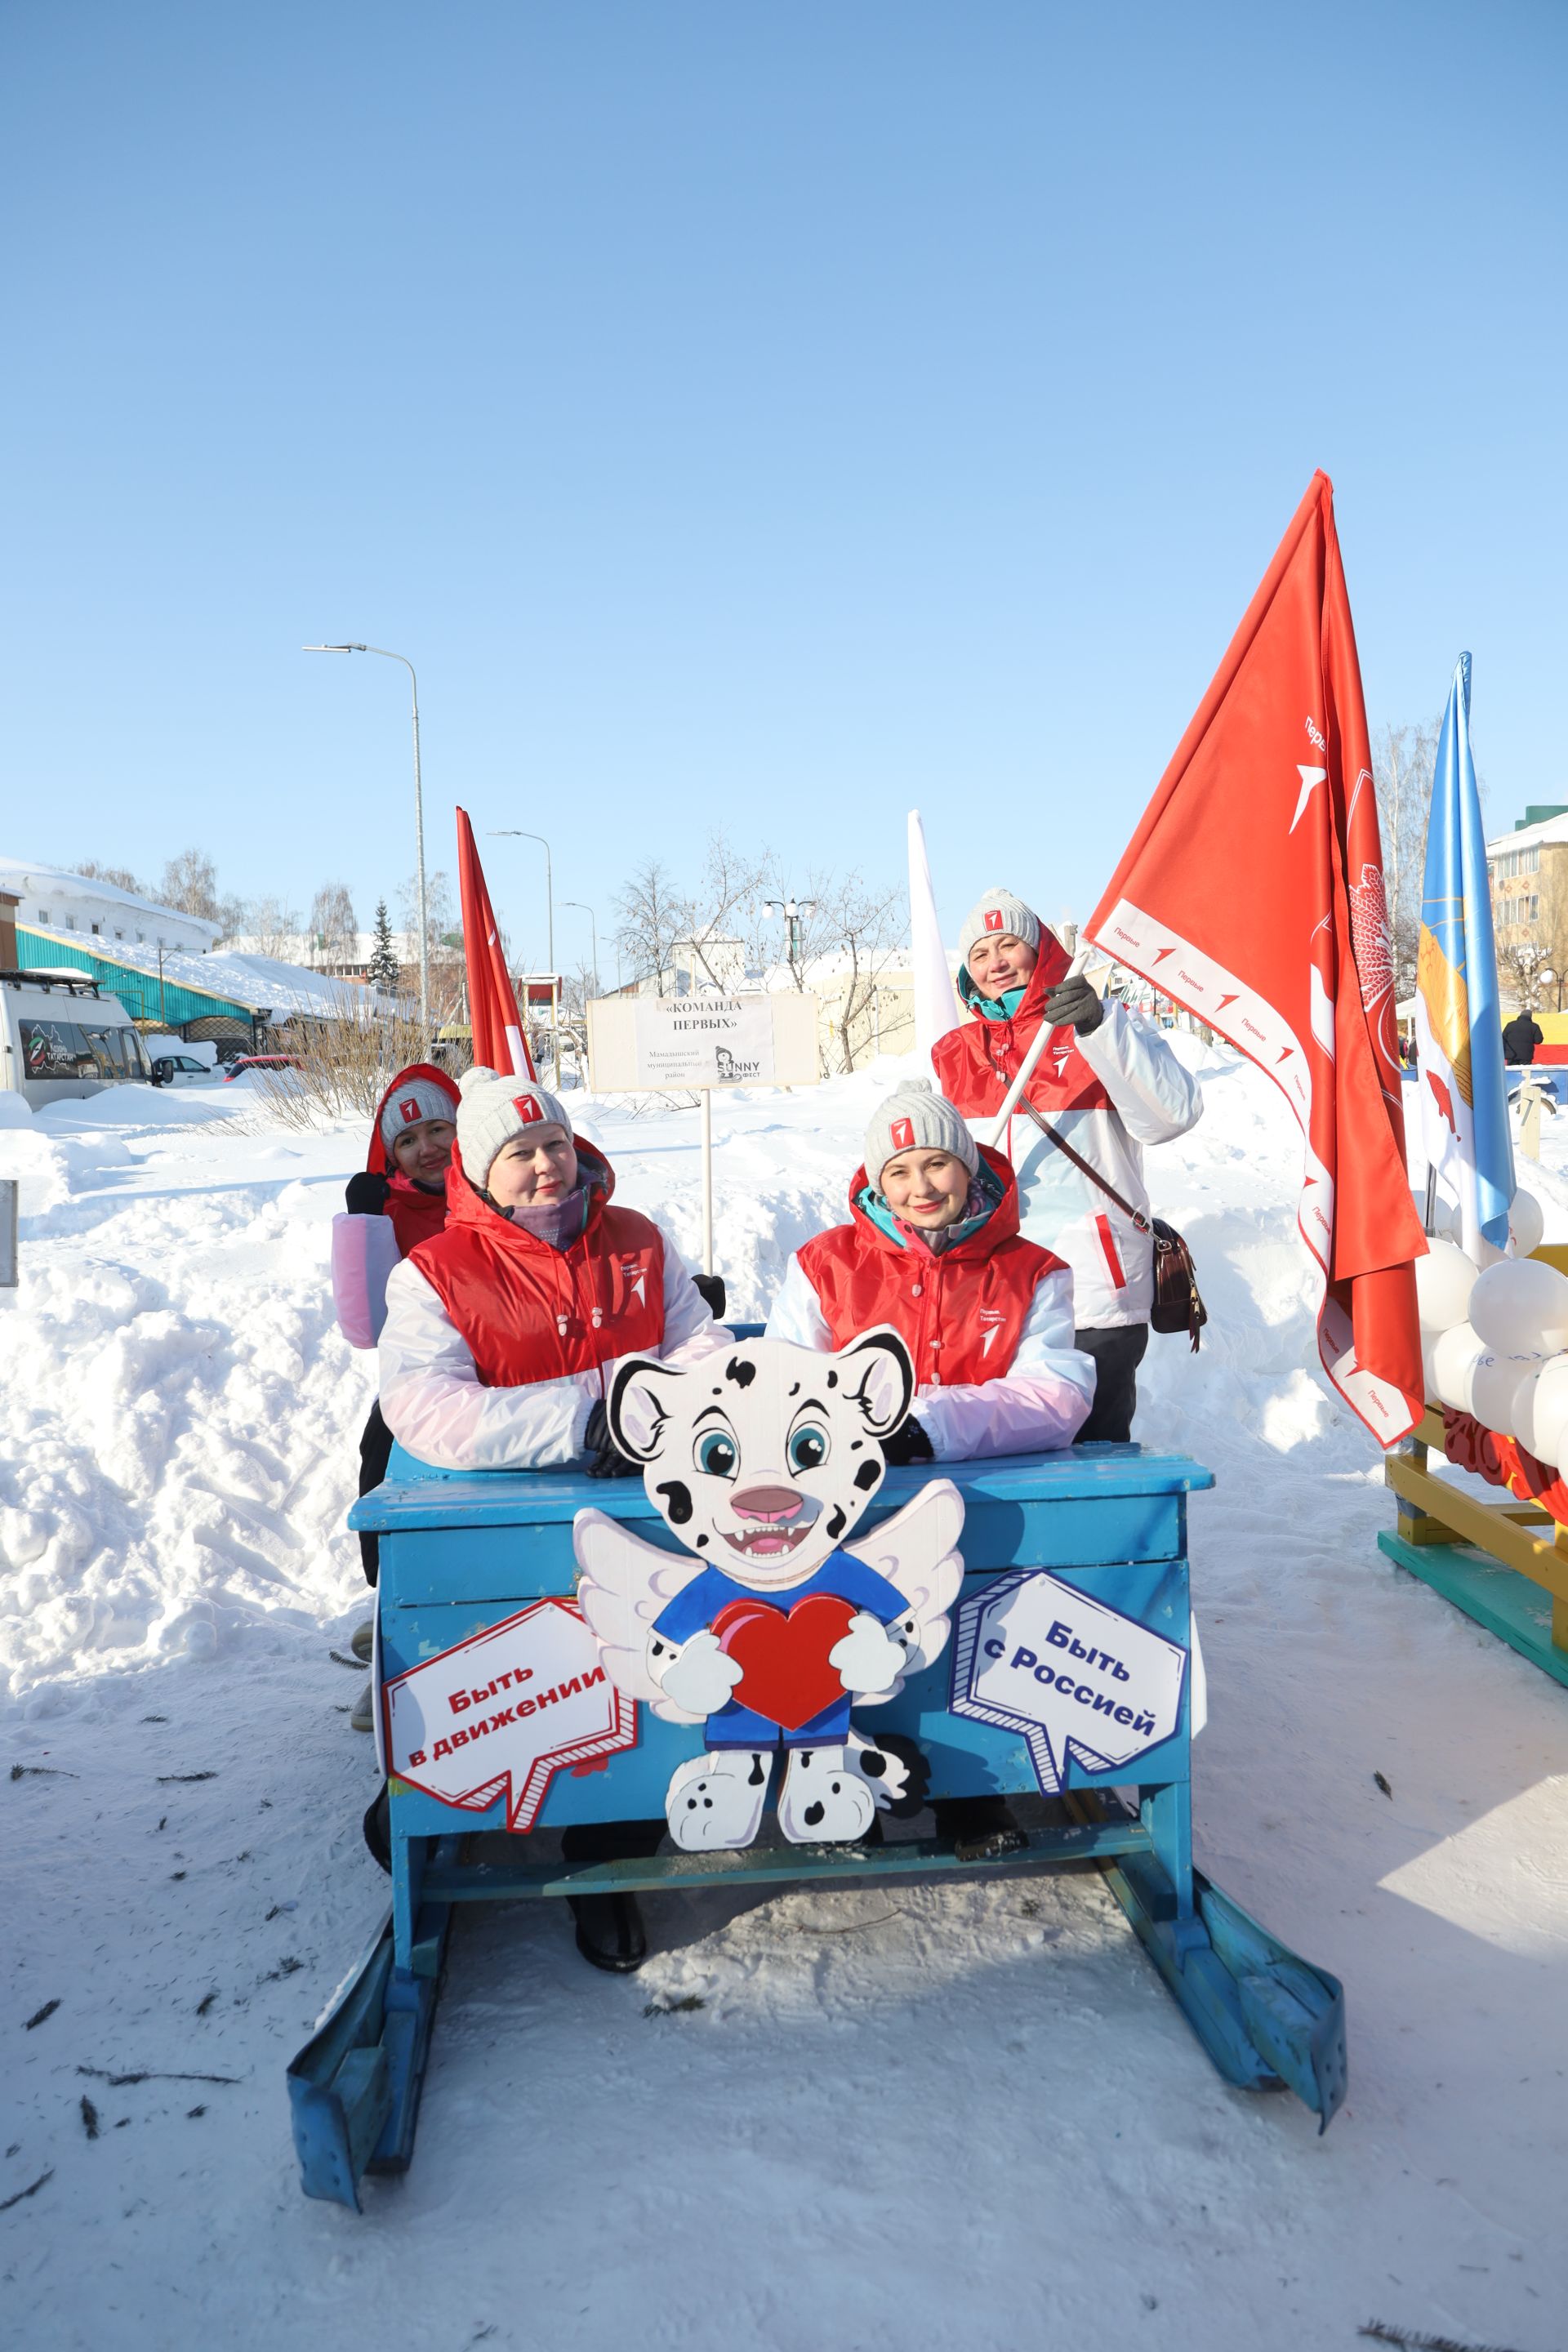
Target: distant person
1106, 1084
1520, 1038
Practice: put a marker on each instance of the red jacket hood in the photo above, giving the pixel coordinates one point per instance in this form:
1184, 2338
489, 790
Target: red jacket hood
1000, 1226
464, 1206
377, 1159
1050, 970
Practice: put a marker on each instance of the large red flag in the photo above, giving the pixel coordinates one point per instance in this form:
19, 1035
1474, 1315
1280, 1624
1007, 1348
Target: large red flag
1252, 892
498, 1040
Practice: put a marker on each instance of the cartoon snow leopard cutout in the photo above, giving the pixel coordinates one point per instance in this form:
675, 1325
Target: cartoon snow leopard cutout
770, 1628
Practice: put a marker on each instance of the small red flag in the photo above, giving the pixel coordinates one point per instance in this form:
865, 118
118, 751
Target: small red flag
497, 1034
1252, 892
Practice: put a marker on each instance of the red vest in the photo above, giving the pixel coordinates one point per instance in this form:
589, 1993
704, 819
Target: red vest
961, 1314
531, 1313
417, 1215
976, 1064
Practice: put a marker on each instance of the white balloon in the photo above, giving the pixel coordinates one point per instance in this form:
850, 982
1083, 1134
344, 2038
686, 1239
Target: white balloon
1520, 1306
1445, 1278
1526, 1223
1494, 1385
1455, 1357
1548, 1440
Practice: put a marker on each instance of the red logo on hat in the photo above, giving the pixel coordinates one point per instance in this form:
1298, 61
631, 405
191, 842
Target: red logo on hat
993, 918
409, 1107
902, 1131
528, 1110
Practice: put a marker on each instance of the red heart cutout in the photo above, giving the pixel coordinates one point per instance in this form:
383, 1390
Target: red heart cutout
784, 1669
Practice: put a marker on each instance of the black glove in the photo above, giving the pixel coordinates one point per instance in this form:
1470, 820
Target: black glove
1074, 1004
710, 1288
608, 1460
366, 1194
909, 1444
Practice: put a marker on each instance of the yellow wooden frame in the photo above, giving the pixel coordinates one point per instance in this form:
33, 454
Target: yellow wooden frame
1440, 1511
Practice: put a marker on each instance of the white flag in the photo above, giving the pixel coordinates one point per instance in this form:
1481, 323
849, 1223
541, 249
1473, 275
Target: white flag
937, 1008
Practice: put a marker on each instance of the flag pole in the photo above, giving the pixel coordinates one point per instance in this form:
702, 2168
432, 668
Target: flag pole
1042, 1036
707, 1179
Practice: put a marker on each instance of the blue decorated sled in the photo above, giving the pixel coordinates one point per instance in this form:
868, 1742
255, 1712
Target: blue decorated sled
461, 1553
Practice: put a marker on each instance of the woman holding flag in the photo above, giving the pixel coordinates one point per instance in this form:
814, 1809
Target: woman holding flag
1105, 1084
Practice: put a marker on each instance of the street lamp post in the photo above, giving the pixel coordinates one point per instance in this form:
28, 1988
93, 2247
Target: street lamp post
791, 910
517, 832
582, 908
418, 821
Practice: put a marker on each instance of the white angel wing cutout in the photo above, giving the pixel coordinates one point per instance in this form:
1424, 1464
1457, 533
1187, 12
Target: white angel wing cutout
917, 1551
624, 1585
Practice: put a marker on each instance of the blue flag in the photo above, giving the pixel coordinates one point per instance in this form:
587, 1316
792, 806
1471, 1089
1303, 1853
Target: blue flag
1459, 1015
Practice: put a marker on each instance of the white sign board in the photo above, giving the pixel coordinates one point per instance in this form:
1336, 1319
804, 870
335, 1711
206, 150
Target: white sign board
499, 1715
1038, 1656
681, 1043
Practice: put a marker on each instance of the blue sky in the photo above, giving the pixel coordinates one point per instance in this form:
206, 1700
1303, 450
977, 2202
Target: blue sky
774, 416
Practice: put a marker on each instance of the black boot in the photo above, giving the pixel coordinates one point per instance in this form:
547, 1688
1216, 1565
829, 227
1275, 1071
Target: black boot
982, 1829
609, 1931
378, 1829
609, 1926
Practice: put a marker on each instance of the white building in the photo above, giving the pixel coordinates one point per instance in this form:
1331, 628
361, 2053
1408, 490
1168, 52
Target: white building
344, 960
54, 900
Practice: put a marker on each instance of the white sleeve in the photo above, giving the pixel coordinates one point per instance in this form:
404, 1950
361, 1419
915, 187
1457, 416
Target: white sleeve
1039, 1403
435, 1404
796, 1313
1157, 1099
364, 1252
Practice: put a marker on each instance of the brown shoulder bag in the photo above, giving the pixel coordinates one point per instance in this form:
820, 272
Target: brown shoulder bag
1178, 1305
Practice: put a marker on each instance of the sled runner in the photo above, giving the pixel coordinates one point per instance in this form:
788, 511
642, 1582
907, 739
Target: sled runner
1068, 1674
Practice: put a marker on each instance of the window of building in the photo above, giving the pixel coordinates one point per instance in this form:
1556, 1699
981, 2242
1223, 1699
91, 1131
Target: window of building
95, 928
43, 914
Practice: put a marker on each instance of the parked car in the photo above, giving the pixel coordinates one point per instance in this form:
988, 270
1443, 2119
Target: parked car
59, 1038
180, 1070
249, 1062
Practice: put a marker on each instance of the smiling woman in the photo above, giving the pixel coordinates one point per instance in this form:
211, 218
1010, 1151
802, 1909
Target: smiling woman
500, 1333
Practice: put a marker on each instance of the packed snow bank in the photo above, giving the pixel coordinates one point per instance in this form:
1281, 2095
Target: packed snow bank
931, 2115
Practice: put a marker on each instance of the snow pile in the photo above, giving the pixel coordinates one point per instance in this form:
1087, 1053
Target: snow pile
745, 2139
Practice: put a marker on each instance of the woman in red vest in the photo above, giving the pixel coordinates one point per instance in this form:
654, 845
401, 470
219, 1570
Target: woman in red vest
404, 1181
502, 1334
932, 1248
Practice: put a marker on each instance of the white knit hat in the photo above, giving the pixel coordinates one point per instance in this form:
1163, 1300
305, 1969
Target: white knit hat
915, 1118
407, 1105
492, 1110
999, 913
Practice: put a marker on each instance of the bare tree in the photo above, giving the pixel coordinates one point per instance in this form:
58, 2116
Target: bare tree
274, 927
721, 911
843, 939
190, 886
653, 916
121, 876
334, 927
444, 944
1402, 761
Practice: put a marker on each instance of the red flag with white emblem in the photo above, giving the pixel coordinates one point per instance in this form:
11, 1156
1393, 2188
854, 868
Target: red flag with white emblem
498, 1040
1252, 892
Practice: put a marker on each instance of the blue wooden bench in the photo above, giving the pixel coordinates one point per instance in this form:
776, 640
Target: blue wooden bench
461, 1552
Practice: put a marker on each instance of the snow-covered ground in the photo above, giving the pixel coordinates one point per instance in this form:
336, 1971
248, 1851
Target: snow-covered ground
913, 2117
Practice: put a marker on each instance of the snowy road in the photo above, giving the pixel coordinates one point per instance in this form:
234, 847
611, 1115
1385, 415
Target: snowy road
820, 2122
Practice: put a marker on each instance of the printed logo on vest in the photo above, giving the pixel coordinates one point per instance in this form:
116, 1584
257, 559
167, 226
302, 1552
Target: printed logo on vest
993, 918
528, 1110
635, 1277
902, 1132
408, 1110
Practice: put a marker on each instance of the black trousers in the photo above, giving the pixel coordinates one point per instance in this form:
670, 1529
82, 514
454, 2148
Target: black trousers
1118, 1351
374, 1454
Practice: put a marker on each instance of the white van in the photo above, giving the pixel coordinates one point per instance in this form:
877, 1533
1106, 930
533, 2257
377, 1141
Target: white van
60, 1037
